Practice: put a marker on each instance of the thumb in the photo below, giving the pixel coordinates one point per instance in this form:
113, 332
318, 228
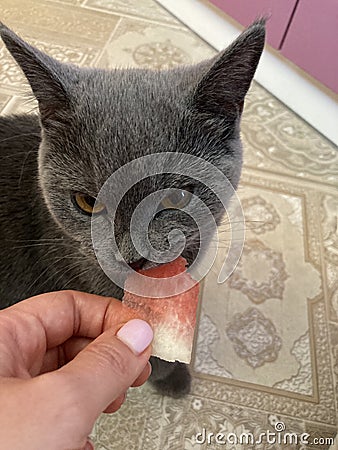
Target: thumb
108, 366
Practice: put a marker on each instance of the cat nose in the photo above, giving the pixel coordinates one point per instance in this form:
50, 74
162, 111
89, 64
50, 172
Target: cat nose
138, 264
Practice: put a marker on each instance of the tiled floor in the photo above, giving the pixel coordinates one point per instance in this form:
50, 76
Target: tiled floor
267, 346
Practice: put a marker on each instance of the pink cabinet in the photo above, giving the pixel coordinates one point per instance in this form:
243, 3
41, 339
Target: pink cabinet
305, 31
246, 11
312, 40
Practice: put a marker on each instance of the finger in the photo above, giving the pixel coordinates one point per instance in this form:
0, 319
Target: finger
142, 378
71, 313
144, 375
89, 445
58, 356
106, 368
116, 404
71, 398
71, 348
48, 320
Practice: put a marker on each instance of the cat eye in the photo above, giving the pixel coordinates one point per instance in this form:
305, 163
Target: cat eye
176, 199
87, 204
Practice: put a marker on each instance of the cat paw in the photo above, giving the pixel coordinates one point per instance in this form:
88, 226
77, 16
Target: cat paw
177, 384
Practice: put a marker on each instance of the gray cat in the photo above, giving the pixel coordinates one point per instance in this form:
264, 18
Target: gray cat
90, 123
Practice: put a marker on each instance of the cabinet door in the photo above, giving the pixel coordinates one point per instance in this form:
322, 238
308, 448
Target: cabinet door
312, 40
246, 11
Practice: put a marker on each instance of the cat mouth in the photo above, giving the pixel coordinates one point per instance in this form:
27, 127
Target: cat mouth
143, 263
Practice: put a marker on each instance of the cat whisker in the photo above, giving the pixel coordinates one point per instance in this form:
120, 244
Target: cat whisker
34, 240
38, 278
70, 267
50, 277
23, 165
56, 261
79, 275
40, 244
19, 135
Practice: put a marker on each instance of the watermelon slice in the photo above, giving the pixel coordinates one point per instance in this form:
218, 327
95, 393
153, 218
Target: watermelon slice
172, 318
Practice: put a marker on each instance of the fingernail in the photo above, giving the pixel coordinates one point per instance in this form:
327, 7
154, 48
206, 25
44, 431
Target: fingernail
137, 334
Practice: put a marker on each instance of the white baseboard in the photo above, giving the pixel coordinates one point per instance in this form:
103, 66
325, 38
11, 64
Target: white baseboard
298, 93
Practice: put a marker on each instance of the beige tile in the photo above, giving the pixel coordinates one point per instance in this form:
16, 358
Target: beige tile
260, 106
55, 19
322, 434
332, 270
330, 223
282, 147
278, 141
185, 423
64, 32
137, 423
11, 76
319, 157
333, 329
260, 312
329, 219
4, 99
143, 44
68, 2
20, 104
175, 424
146, 9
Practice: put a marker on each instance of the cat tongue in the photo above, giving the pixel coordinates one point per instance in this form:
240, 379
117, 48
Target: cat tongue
172, 318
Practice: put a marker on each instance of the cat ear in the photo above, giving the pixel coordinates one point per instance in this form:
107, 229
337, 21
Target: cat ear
222, 89
44, 74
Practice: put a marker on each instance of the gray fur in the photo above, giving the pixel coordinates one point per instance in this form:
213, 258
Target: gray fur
92, 122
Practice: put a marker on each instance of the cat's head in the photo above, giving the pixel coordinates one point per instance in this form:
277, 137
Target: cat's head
96, 121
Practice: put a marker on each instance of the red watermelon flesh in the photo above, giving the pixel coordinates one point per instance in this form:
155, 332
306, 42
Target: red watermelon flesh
173, 318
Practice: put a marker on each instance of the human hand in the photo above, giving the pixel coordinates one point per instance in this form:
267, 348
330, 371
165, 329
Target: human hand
63, 361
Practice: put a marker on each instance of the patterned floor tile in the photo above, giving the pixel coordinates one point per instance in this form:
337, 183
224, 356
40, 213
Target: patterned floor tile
138, 423
333, 329
4, 99
21, 104
329, 218
11, 76
142, 44
65, 33
147, 9
260, 106
59, 19
68, 2
260, 312
288, 145
196, 423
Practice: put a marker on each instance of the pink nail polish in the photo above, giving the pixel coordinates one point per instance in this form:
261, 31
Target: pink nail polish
137, 334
